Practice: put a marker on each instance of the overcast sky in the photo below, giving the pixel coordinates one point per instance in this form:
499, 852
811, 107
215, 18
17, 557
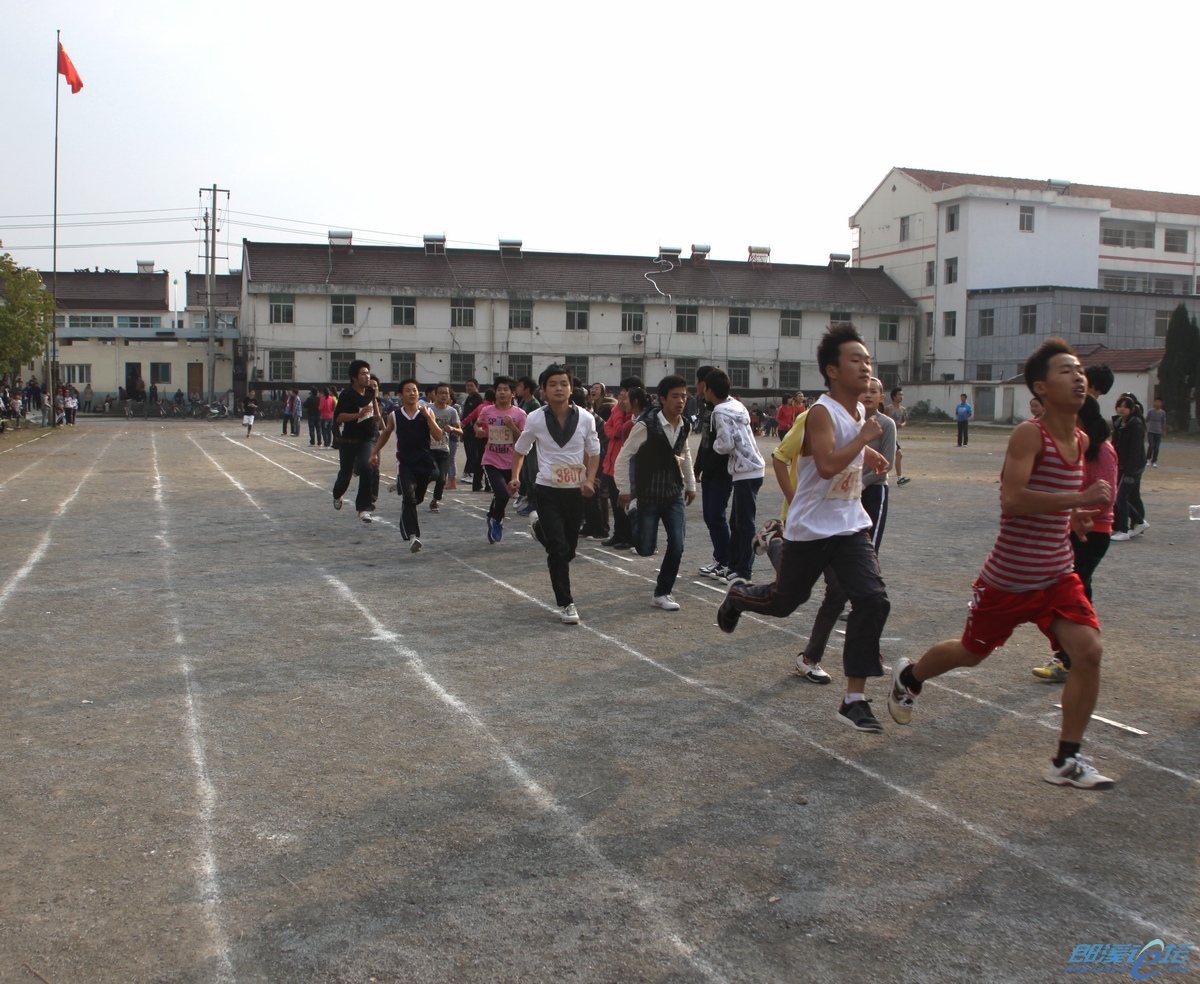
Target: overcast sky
612, 128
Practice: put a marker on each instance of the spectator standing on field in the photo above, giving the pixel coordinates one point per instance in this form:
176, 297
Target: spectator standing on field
962, 414
1156, 427
899, 414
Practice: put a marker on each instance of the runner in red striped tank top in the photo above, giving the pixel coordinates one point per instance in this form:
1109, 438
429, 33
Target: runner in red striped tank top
1029, 575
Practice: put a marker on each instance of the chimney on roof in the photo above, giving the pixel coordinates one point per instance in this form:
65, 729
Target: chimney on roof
510, 249
700, 253
145, 266
435, 244
838, 261
759, 255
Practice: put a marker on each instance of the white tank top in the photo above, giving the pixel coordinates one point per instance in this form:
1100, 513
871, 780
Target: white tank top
824, 507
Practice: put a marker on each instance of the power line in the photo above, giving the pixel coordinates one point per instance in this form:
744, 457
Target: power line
75, 215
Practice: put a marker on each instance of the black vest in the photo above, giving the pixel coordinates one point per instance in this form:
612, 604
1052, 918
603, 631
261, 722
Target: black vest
656, 473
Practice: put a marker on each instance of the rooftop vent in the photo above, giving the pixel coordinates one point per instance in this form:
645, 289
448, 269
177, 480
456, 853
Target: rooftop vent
700, 253
435, 244
510, 249
759, 254
341, 237
145, 266
669, 253
838, 261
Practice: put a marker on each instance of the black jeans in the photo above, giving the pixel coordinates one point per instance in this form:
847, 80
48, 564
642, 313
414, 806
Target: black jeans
442, 460
498, 478
962, 433
412, 487
560, 511
474, 466
314, 430
354, 459
874, 500
853, 561
621, 527
1129, 503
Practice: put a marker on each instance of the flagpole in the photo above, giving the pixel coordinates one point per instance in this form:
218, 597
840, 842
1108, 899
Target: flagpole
49, 370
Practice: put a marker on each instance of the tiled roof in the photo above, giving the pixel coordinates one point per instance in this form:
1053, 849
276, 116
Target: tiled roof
1121, 360
1128, 198
228, 290
92, 291
406, 270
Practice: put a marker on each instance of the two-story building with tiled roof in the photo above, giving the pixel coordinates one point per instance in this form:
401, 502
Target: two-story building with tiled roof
996, 264
452, 314
113, 328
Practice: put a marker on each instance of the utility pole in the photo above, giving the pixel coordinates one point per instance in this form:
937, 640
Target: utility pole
210, 283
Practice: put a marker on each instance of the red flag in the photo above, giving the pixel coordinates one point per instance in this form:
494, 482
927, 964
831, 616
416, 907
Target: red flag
67, 70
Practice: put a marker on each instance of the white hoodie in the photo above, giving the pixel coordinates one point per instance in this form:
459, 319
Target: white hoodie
731, 422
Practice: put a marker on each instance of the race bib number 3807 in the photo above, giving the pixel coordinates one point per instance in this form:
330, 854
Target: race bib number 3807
566, 476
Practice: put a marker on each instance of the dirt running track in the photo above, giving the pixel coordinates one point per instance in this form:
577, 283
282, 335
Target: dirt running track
247, 738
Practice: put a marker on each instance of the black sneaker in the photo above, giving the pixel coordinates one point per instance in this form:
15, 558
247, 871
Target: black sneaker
612, 541
858, 715
727, 615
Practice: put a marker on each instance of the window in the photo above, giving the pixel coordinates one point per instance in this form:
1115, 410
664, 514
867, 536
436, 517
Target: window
952, 270
951, 218
1028, 319
1176, 241
839, 317
687, 368
739, 373
76, 375
905, 228
987, 321
929, 324
404, 311
577, 316
739, 321
983, 372
789, 375
578, 364
520, 365
1130, 235
91, 321
1162, 319
930, 273
789, 324
889, 375
339, 366
1165, 285
687, 319
60, 321
462, 315
950, 324
283, 309
341, 309
633, 365
633, 317
281, 365
520, 317
889, 327
1026, 221
404, 366
138, 322
1093, 320
462, 364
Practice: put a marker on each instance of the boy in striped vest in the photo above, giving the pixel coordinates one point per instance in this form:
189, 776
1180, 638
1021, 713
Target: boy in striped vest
1030, 574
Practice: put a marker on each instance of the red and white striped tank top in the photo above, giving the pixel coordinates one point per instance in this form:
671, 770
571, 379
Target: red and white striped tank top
1034, 552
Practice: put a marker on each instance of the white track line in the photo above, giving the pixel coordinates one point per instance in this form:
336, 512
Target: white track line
996, 840
44, 544
572, 828
17, 447
208, 880
39, 460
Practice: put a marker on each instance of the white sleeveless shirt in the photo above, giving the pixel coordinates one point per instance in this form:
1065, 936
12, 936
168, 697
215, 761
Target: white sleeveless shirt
824, 507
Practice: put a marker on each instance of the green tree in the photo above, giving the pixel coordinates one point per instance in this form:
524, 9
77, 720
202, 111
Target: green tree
1179, 371
26, 315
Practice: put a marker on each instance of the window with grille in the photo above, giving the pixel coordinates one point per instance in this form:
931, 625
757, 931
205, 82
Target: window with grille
578, 364
404, 311
687, 319
339, 366
889, 327
633, 365
789, 324
520, 317
739, 373
281, 365
789, 375
633, 317
577, 316
462, 315
950, 323
462, 365
283, 309
341, 309
404, 366
739, 321
1026, 220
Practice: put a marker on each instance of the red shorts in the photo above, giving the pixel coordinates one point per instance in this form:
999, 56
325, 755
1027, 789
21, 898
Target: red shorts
996, 612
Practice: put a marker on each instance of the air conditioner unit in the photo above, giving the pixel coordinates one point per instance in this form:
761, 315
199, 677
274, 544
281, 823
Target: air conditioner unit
347, 330
639, 336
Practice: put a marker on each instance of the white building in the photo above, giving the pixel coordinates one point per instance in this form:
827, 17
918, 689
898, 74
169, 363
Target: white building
941, 235
452, 314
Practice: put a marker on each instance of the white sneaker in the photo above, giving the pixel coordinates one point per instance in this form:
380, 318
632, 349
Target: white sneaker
1076, 772
900, 698
568, 615
415, 546
811, 672
365, 516
1140, 528
1118, 538
666, 603
337, 503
